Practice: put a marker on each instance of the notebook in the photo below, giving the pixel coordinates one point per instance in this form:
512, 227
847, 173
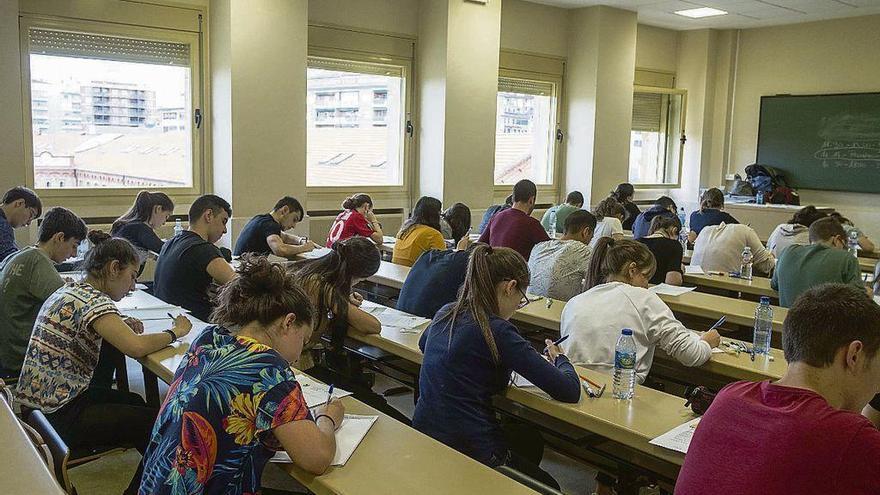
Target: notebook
352, 432
390, 317
670, 290
678, 438
315, 392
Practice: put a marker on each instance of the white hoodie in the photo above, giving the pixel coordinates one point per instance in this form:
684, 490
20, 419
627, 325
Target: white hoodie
787, 234
595, 318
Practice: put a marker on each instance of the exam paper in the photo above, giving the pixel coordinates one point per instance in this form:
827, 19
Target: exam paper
390, 317
670, 290
315, 392
694, 270
155, 313
141, 300
316, 253
352, 432
678, 438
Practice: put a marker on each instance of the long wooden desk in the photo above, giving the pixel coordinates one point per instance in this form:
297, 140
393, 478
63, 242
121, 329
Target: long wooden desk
759, 286
866, 265
22, 468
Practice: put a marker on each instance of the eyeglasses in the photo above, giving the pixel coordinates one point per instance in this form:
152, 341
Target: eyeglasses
524, 301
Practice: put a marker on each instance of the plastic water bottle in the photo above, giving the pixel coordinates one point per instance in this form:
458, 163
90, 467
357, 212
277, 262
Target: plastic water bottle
625, 365
763, 326
83, 248
682, 217
551, 230
178, 227
745, 269
852, 241
759, 198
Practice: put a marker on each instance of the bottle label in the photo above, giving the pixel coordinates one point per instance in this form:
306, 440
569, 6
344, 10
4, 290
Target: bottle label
624, 360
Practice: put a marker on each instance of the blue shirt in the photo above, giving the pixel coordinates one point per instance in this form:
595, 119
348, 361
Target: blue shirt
709, 216
490, 212
7, 237
642, 226
433, 282
458, 379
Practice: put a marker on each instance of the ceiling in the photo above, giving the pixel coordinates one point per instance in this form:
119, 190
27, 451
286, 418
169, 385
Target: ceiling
741, 13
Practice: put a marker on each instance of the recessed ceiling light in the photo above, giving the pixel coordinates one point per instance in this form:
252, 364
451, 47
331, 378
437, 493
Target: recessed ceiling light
700, 12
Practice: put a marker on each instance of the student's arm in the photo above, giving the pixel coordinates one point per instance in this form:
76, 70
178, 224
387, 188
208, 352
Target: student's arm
762, 259
114, 330
866, 243
220, 270
852, 275
774, 280
149, 240
674, 277
280, 247
559, 379
670, 335
692, 237
291, 238
363, 322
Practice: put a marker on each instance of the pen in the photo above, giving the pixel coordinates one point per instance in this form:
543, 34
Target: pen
169, 315
549, 302
718, 323
590, 390
329, 393
556, 342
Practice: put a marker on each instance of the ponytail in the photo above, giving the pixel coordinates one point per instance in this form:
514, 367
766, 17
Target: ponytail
610, 257
356, 201
142, 209
106, 249
712, 198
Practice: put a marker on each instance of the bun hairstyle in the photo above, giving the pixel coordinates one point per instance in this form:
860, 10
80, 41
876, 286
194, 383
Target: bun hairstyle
486, 268
458, 216
807, 215
106, 249
142, 209
356, 201
665, 222
609, 207
712, 198
262, 292
610, 257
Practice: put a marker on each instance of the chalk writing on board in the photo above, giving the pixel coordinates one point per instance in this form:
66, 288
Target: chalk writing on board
850, 141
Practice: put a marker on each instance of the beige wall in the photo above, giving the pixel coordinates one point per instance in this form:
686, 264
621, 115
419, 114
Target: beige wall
387, 16
656, 48
533, 28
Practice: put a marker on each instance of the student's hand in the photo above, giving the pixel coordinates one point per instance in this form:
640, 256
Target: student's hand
712, 337
370, 216
463, 243
68, 280
137, 326
334, 409
308, 246
356, 299
553, 351
182, 326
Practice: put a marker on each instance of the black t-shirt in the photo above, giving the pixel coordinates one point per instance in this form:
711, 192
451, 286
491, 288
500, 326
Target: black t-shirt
141, 235
253, 236
632, 212
667, 252
433, 282
182, 273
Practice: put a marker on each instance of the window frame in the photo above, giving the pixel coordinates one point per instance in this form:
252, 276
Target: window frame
197, 91
681, 141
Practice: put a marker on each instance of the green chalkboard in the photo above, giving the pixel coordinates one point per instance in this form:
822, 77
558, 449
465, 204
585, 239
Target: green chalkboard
829, 142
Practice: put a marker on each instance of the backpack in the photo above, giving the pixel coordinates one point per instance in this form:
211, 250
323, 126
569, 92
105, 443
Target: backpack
770, 183
741, 187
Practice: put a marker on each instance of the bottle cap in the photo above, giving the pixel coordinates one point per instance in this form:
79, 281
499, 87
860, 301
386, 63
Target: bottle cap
627, 331
765, 301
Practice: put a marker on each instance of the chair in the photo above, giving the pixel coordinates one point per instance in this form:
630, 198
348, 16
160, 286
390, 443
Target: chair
527, 481
54, 448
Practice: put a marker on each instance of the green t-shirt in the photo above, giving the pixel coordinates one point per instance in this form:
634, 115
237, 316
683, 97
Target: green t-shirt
562, 212
27, 279
802, 267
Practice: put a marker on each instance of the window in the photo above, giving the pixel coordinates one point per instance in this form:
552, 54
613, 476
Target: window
656, 138
351, 141
525, 131
110, 111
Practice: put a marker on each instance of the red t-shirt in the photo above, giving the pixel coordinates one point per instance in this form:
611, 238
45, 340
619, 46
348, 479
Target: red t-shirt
514, 229
349, 223
769, 439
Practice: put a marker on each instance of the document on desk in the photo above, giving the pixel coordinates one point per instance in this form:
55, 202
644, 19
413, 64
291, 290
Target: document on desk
520, 381
154, 313
694, 270
390, 317
352, 432
670, 290
317, 253
315, 392
678, 438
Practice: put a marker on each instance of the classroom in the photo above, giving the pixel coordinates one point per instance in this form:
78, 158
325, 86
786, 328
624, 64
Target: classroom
439, 246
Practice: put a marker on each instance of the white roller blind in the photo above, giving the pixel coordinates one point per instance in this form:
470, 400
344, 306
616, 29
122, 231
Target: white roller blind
647, 110
355, 67
85, 45
524, 86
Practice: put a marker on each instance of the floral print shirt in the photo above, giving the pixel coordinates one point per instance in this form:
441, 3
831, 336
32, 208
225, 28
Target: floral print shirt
214, 430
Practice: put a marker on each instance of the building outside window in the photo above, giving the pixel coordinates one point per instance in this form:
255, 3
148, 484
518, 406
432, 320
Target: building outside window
525, 131
656, 138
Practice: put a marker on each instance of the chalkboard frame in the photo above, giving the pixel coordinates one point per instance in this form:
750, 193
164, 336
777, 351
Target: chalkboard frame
811, 95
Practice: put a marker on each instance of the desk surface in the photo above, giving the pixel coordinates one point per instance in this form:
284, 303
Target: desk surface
758, 285
22, 469
866, 265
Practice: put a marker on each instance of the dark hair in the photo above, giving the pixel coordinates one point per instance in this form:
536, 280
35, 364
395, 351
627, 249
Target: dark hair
208, 202
807, 215
524, 190
826, 318
426, 212
509, 200
666, 202
575, 198
663, 222
330, 276
609, 207
31, 200
623, 192
292, 204
712, 198
458, 216
263, 291
611, 257
577, 220
62, 220
106, 249
356, 201
142, 209
826, 228
487, 267
840, 218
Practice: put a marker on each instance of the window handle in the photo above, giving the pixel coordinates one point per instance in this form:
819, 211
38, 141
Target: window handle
559, 135
409, 128
198, 118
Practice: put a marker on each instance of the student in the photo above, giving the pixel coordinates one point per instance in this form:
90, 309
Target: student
149, 212
470, 350
667, 250
266, 234
262, 320
558, 266
455, 223
64, 347
190, 261
573, 202
492, 210
664, 206
825, 260
20, 207
865, 244
609, 214
616, 298
796, 231
720, 247
803, 433
433, 281
419, 233
514, 227
357, 219
624, 195
28, 278
710, 213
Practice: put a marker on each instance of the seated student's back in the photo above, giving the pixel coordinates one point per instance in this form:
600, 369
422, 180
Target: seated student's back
433, 281
514, 227
710, 212
419, 233
720, 248
149, 212
663, 206
558, 266
609, 214
265, 234
667, 250
796, 231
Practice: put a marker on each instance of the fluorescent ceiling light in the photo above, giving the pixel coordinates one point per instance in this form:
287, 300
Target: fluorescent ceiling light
700, 12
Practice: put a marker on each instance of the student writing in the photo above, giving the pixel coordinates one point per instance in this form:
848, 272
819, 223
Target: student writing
138, 225
514, 227
267, 233
357, 218
663, 243
419, 233
20, 206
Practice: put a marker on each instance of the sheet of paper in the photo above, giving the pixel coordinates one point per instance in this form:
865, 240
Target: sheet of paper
352, 432
390, 317
694, 270
141, 300
670, 290
315, 392
317, 253
678, 438
520, 381
148, 314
